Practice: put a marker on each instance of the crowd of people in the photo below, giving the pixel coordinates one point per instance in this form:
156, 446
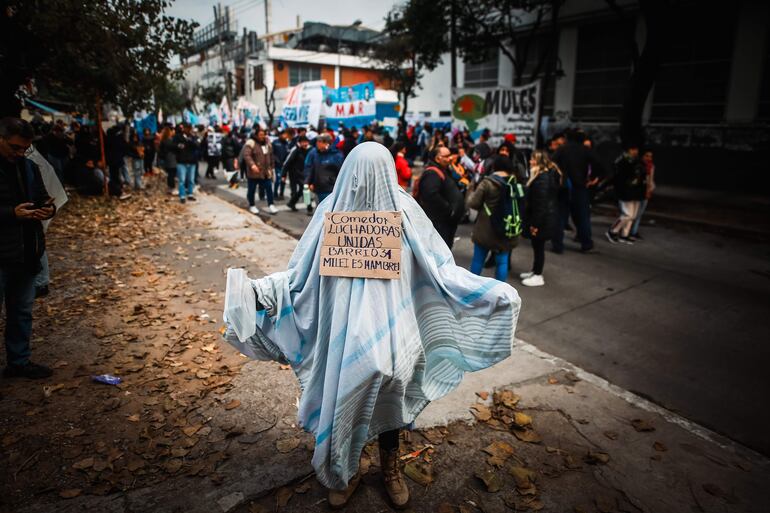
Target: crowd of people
507, 192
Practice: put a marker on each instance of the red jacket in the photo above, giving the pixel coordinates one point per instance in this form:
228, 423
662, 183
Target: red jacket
403, 171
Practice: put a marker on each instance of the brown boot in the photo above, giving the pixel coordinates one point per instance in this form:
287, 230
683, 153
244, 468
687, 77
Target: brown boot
395, 484
339, 498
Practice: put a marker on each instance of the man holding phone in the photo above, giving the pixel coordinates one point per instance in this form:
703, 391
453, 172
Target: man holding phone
24, 203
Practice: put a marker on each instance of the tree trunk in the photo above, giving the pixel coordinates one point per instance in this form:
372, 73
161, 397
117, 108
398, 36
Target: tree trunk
645, 71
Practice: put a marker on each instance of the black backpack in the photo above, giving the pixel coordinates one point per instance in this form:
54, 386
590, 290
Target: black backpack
506, 218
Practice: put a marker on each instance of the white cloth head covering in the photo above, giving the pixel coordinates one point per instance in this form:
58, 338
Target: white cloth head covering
370, 354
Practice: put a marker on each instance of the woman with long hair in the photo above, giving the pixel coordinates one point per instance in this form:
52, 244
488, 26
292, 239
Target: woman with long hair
541, 213
168, 154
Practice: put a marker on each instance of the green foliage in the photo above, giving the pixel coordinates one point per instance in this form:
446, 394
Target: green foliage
414, 37
119, 50
171, 99
212, 94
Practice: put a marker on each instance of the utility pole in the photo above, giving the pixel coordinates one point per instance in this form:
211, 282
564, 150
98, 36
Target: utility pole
452, 43
219, 20
268, 16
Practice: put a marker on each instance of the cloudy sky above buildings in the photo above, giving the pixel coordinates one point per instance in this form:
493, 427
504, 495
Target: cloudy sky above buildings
251, 13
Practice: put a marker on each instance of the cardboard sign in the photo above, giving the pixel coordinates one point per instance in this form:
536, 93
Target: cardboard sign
362, 245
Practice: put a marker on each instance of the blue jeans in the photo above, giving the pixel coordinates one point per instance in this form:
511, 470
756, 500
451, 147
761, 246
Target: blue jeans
280, 186
17, 289
580, 210
251, 188
185, 174
501, 261
638, 220
43, 278
265, 189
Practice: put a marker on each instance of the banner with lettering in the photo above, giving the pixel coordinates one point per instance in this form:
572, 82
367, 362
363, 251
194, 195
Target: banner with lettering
350, 105
303, 104
503, 110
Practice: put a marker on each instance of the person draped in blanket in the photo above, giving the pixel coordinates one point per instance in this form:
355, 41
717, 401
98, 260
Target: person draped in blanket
370, 354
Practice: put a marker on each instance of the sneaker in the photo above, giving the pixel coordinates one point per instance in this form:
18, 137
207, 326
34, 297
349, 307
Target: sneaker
254, 210
633, 238
612, 237
182, 200
192, 198
29, 371
524, 276
536, 280
272, 209
626, 240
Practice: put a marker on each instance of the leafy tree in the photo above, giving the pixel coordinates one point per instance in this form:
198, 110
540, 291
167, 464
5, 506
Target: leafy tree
116, 50
211, 94
412, 42
171, 99
485, 25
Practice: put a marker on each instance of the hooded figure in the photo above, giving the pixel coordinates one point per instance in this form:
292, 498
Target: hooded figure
370, 354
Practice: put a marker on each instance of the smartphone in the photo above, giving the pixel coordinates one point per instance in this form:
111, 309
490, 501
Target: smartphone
44, 203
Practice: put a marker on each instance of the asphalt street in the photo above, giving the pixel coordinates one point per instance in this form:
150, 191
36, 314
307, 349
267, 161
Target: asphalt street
680, 318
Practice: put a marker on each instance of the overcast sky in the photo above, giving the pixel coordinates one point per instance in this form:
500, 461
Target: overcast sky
251, 13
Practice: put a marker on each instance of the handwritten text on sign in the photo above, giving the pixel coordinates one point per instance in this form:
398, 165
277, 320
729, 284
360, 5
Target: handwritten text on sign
362, 245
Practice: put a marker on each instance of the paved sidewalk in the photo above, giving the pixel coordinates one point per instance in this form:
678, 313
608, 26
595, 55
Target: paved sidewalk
584, 453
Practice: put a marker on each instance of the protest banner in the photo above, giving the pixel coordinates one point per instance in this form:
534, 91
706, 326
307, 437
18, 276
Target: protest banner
303, 104
351, 105
503, 110
362, 245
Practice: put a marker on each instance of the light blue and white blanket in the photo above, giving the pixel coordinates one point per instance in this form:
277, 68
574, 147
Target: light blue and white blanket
371, 354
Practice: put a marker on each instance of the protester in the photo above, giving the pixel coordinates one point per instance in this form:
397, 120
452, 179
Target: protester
404, 172
541, 215
488, 198
322, 166
24, 203
280, 152
231, 147
150, 150
483, 150
575, 161
439, 196
294, 167
350, 142
260, 168
186, 145
168, 155
403, 343
649, 168
630, 181
213, 144
135, 158
57, 149
116, 150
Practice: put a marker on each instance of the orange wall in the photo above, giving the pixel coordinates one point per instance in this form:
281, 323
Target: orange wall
348, 76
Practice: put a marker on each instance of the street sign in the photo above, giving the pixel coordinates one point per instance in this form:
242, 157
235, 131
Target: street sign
362, 245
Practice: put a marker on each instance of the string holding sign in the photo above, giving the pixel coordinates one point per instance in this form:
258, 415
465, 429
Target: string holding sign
362, 245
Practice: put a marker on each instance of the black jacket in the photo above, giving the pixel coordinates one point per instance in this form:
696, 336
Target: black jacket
542, 210
630, 179
441, 200
574, 160
186, 149
22, 242
230, 146
280, 152
294, 165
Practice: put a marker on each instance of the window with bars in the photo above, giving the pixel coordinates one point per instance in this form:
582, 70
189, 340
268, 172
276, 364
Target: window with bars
691, 86
299, 73
483, 74
604, 59
259, 77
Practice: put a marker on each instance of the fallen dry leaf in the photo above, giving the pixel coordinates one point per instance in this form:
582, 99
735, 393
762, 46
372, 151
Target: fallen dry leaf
527, 435
595, 457
419, 472
70, 493
524, 477
499, 452
642, 425
481, 412
522, 420
612, 435
490, 479
507, 398
283, 496
287, 444
483, 395
552, 381
83, 464
232, 404
658, 446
